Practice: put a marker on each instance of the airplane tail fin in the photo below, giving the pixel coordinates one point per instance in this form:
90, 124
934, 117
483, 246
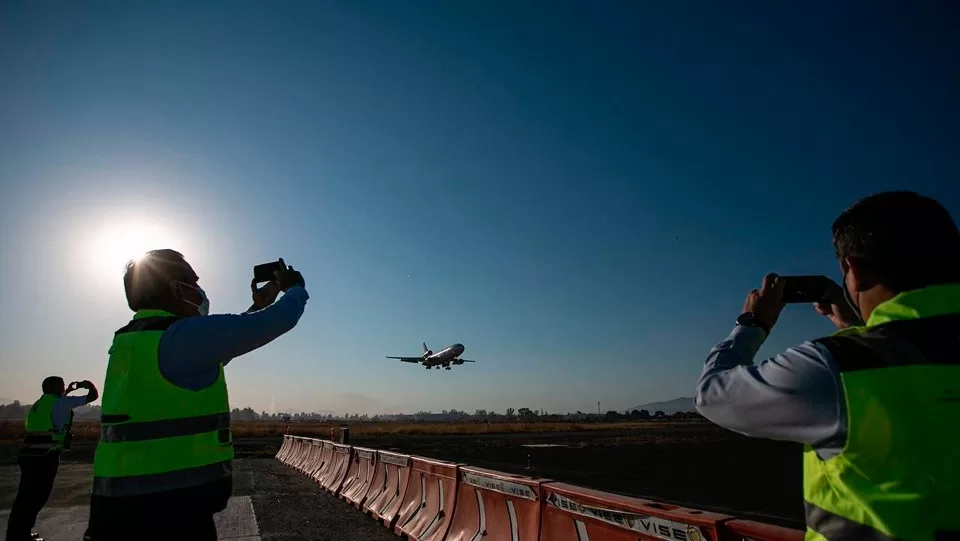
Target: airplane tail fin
425, 348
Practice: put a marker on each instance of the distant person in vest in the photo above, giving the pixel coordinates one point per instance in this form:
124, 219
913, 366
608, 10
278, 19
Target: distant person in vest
48, 433
876, 405
162, 468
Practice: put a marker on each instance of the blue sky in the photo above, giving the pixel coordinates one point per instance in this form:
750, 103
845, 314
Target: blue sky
580, 193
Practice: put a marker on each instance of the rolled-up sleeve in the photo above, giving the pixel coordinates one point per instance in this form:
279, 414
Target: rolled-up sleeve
793, 396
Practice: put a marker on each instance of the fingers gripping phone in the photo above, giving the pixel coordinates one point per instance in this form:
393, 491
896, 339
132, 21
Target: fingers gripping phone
265, 272
806, 289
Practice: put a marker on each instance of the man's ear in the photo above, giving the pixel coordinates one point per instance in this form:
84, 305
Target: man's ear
858, 278
176, 297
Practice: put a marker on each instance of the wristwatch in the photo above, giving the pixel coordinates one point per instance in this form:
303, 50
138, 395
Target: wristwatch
749, 319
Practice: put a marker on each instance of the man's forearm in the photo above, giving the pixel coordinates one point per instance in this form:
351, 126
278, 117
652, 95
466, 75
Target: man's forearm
193, 343
792, 396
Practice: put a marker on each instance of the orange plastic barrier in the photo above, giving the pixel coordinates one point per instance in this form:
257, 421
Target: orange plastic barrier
292, 450
299, 453
361, 472
572, 513
747, 530
284, 448
496, 506
323, 466
290, 444
312, 462
337, 471
430, 500
388, 487
305, 455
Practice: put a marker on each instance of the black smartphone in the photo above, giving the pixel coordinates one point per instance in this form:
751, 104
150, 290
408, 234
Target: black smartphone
808, 289
264, 273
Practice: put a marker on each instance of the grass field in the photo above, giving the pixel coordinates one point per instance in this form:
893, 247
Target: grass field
13, 430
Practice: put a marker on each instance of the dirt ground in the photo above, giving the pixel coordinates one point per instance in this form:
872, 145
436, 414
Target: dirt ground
699, 466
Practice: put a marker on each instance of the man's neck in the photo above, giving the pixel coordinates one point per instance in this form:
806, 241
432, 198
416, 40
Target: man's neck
868, 300
159, 309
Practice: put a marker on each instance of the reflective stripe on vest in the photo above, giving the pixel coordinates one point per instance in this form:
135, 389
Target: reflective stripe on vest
836, 528
167, 428
897, 476
40, 444
161, 482
156, 436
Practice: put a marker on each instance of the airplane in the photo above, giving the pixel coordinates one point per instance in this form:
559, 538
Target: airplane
445, 357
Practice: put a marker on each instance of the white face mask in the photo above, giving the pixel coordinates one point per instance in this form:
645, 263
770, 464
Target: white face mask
204, 306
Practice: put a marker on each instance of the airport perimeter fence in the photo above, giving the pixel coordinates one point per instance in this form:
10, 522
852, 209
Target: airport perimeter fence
423, 499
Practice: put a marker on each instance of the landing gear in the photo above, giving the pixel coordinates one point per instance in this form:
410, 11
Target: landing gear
427, 367
446, 368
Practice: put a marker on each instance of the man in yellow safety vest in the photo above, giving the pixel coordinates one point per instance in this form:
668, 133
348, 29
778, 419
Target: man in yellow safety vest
163, 466
876, 405
48, 434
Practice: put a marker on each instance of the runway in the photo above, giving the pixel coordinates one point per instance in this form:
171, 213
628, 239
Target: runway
270, 502
238, 522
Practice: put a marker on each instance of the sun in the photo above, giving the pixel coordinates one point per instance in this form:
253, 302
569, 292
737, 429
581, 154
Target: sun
120, 241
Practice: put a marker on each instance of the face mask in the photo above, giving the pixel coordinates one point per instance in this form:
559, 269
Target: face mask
204, 306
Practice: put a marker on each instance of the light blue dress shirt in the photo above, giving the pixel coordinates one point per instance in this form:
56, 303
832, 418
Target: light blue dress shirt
191, 350
794, 396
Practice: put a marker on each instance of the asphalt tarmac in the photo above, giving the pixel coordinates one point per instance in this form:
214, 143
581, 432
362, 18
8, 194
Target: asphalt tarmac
270, 502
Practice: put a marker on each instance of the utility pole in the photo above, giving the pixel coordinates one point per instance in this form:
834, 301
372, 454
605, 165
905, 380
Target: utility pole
598, 409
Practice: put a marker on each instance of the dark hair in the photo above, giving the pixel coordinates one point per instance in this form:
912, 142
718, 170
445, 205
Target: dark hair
146, 279
904, 240
52, 385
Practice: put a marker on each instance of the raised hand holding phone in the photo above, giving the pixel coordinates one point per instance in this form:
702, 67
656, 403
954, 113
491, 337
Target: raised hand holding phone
266, 294
825, 295
766, 303
267, 272
839, 312
289, 277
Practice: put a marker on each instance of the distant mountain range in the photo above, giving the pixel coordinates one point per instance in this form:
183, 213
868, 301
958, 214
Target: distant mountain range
668, 407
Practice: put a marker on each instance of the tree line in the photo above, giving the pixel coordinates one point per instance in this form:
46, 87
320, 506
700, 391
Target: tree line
454, 415
16, 410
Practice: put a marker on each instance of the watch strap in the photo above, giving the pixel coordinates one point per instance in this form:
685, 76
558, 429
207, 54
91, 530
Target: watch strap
749, 319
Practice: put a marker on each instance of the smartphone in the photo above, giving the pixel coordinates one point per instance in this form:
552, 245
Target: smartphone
808, 289
264, 273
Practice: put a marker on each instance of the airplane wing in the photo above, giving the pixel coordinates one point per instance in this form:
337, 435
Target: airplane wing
408, 359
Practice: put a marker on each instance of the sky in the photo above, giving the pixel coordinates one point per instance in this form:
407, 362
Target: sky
581, 193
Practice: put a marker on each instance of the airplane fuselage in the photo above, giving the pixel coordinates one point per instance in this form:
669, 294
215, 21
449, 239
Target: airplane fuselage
445, 356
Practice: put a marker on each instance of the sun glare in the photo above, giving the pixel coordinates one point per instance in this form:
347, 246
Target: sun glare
125, 240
